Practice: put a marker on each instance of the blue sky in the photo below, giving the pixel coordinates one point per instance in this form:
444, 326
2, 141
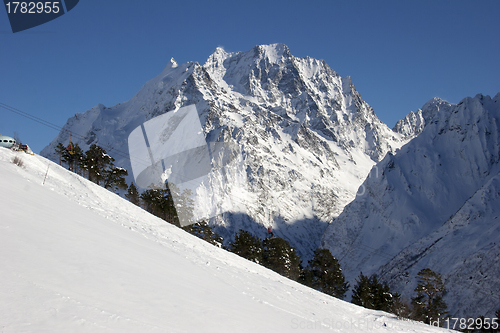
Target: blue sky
399, 54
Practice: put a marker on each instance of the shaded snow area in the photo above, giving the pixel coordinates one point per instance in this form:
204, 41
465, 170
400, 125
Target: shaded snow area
434, 204
466, 251
78, 258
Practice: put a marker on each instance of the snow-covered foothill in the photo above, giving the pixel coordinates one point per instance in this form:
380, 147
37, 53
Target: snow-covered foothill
78, 258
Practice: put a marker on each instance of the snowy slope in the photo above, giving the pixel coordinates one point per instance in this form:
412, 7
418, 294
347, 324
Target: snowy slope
77, 258
465, 250
412, 194
306, 138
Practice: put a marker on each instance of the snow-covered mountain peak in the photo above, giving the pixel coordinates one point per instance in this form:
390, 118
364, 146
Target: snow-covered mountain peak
433, 106
173, 63
486, 100
307, 138
414, 123
468, 114
433, 101
217, 58
239, 70
276, 53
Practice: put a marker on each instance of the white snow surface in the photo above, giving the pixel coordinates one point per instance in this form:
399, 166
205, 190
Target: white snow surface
78, 258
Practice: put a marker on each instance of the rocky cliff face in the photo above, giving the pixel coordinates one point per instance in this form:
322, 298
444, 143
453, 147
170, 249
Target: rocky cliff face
306, 138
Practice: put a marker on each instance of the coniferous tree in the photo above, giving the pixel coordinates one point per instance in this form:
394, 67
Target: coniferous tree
114, 178
96, 162
149, 200
133, 195
67, 157
371, 294
362, 293
247, 246
60, 149
80, 162
202, 230
382, 297
159, 202
429, 305
401, 307
279, 256
323, 273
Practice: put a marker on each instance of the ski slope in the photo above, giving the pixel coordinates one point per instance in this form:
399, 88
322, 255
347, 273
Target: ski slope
78, 258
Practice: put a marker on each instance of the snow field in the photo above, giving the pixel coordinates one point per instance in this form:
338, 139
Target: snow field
78, 258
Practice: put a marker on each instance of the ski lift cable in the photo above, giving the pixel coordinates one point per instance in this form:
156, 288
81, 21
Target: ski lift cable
29, 116
59, 128
116, 151
38, 120
82, 137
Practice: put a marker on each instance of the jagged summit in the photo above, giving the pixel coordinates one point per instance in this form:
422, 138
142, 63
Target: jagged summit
436, 101
274, 52
172, 63
414, 123
307, 138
